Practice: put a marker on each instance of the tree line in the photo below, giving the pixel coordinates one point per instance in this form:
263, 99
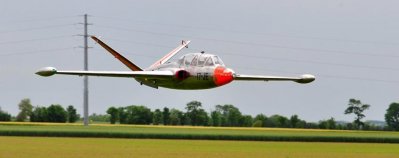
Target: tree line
194, 115
4, 116
52, 113
231, 116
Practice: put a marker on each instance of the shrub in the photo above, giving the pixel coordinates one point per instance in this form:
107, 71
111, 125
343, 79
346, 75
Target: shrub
4, 116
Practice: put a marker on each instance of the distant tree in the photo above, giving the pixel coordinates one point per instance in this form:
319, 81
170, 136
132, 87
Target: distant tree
311, 125
328, 124
372, 127
301, 124
356, 107
72, 115
193, 112
392, 116
216, 118
4, 116
277, 121
39, 114
340, 126
259, 120
349, 126
186, 119
209, 121
113, 112
246, 121
202, 118
294, 120
122, 113
25, 108
157, 117
138, 115
257, 123
99, 118
56, 113
176, 117
166, 116
231, 115
331, 123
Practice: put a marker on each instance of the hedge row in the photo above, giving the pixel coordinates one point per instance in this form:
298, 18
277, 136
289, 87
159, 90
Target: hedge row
197, 136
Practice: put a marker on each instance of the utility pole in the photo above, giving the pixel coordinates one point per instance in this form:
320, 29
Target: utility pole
86, 79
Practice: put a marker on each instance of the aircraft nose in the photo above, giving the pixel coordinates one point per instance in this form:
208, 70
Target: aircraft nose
223, 76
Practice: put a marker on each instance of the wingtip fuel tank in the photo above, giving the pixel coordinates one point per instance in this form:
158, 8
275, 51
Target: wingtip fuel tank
46, 71
306, 78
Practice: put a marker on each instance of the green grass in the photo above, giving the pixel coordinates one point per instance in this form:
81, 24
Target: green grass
204, 133
38, 147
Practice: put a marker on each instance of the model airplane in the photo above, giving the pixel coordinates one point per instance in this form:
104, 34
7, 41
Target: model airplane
191, 71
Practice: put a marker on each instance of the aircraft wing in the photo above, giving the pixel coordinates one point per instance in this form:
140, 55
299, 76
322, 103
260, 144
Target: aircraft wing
49, 71
302, 79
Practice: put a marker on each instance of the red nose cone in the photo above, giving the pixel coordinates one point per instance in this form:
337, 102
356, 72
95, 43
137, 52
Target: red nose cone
222, 76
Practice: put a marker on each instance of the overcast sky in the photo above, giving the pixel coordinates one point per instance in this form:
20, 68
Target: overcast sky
351, 46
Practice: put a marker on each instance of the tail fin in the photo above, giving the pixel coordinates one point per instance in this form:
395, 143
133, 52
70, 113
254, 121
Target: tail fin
121, 58
171, 54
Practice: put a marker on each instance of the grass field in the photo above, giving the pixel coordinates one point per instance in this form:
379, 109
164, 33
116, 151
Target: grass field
20, 147
188, 132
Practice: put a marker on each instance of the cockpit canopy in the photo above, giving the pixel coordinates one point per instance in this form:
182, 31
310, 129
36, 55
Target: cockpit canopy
200, 59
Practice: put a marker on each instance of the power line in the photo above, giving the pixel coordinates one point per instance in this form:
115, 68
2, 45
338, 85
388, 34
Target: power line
359, 79
30, 19
290, 72
141, 43
135, 54
278, 59
329, 76
252, 33
37, 51
315, 62
36, 28
34, 40
322, 51
285, 47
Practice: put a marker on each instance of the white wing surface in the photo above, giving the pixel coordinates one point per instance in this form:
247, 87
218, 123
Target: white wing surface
49, 71
302, 79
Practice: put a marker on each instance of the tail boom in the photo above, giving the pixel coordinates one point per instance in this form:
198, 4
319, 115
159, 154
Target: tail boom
171, 54
118, 56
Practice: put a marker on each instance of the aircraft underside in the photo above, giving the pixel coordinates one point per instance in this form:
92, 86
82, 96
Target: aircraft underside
190, 83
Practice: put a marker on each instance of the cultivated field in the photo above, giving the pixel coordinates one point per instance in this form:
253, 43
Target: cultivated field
188, 132
39, 147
